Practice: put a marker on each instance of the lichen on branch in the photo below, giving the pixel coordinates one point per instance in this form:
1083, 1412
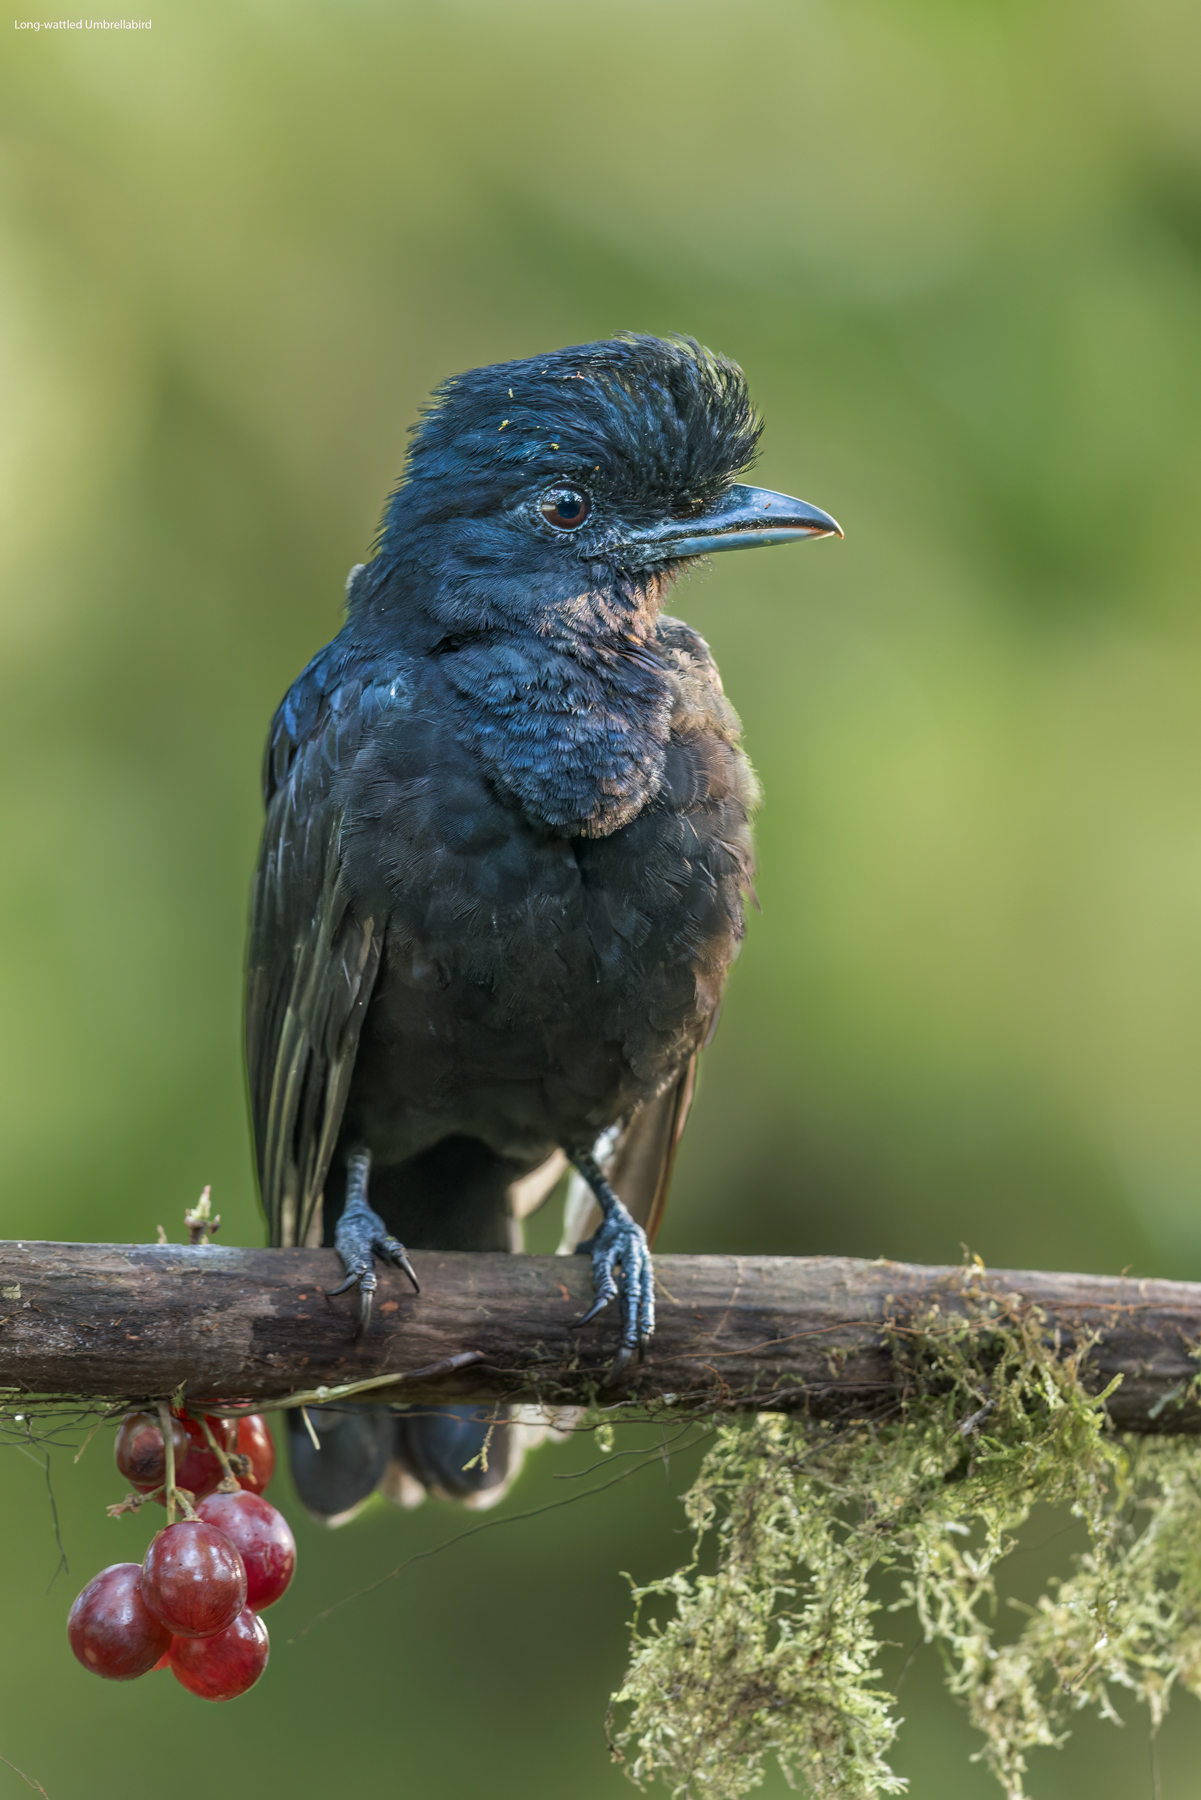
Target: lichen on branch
771, 1648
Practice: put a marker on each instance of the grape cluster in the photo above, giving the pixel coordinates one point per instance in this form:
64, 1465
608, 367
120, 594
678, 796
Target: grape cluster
193, 1604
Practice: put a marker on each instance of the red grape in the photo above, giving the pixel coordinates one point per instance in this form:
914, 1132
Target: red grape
254, 1441
222, 1667
139, 1449
110, 1628
193, 1579
200, 1471
263, 1539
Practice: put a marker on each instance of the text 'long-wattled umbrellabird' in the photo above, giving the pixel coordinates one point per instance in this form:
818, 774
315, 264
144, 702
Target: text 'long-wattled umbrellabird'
507, 841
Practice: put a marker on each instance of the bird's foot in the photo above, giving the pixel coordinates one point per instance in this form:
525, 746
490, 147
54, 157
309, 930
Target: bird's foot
358, 1241
360, 1236
618, 1242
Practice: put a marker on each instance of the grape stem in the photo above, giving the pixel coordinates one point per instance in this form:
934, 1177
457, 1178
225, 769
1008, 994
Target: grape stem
175, 1496
229, 1482
164, 1417
132, 1502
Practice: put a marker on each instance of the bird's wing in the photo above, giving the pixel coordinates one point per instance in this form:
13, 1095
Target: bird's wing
311, 963
646, 1152
639, 1166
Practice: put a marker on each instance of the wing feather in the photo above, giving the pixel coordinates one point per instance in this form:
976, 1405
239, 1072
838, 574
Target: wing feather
311, 967
639, 1166
646, 1155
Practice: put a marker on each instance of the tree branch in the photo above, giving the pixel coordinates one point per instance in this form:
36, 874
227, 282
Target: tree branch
119, 1321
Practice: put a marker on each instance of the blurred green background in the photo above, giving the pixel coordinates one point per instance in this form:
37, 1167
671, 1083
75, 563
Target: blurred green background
957, 248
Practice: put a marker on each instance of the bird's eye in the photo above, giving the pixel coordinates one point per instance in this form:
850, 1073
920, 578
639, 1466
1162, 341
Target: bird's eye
565, 507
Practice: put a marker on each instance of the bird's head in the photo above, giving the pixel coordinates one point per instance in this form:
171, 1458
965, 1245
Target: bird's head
613, 461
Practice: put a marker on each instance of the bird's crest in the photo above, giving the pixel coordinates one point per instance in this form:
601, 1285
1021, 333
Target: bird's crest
657, 419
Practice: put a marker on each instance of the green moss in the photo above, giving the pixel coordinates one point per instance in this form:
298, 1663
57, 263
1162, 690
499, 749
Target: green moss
774, 1655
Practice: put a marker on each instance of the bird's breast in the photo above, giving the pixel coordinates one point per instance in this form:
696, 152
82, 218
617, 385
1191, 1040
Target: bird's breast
575, 740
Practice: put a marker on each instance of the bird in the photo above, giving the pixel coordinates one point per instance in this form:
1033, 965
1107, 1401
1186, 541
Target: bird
505, 859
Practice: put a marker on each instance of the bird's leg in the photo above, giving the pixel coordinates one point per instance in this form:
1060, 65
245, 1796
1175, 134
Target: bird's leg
618, 1240
361, 1235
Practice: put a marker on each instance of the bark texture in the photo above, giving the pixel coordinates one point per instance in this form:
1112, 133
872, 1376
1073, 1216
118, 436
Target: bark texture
763, 1332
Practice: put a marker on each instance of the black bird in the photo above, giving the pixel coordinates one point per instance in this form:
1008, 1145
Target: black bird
507, 841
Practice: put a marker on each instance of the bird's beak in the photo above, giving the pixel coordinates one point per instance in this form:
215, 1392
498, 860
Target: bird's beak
742, 519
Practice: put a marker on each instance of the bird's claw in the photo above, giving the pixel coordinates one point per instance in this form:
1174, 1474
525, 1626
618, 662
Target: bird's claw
619, 1240
359, 1237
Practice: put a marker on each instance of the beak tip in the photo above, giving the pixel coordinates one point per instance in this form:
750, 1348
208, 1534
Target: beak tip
828, 526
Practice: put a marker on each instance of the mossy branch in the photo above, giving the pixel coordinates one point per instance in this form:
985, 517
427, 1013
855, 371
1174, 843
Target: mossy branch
769, 1650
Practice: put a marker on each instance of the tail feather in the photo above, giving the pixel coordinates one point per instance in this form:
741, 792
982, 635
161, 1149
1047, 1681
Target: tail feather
472, 1454
464, 1453
337, 1476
